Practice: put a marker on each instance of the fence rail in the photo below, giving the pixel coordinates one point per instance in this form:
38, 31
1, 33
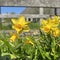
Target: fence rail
31, 32
31, 3
26, 15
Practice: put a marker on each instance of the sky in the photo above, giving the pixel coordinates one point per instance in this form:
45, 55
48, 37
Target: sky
17, 10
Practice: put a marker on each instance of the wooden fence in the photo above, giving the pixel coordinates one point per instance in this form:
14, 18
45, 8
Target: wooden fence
30, 3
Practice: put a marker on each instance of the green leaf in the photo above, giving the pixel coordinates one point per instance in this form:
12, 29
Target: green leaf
11, 55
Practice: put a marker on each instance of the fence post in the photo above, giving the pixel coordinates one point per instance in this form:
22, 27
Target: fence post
41, 13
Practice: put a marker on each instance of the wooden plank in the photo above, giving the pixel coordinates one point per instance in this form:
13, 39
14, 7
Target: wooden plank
7, 31
26, 15
31, 3
31, 32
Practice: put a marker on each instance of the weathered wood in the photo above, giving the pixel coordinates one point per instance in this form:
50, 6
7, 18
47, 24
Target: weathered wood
31, 32
26, 15
7, 31
31, 3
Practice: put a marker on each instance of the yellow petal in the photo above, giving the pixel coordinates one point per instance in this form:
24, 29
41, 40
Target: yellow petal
44, 22
29, 41
26, 29
56, 32
16, 28
46, 28
14, 21
21, 20
56, 17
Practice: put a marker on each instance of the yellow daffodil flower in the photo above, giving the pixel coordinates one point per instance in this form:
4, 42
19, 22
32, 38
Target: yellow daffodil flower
56, 32
27, 29
56, 18
50, 25
13, 37
46, 28
44, 22
29, 42
19, 24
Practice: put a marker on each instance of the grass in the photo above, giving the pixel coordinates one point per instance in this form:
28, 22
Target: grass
33, 25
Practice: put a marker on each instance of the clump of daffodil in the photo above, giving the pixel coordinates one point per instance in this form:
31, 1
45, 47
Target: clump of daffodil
51, 25
20, 24
28, 41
